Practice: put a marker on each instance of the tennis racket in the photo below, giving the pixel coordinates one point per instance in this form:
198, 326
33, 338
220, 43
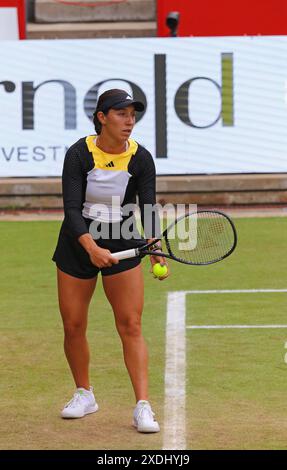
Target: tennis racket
198, 238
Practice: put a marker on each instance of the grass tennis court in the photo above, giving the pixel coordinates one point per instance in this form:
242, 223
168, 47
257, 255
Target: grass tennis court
236, 380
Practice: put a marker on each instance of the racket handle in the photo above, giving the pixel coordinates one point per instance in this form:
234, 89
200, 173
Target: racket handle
125, 254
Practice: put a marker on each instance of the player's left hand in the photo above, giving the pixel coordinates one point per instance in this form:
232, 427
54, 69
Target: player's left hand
159, 259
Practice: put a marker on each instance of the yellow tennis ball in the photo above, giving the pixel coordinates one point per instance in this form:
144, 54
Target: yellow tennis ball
159, 270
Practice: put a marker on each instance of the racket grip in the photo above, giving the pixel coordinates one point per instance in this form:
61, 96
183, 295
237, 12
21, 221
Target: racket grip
125, 254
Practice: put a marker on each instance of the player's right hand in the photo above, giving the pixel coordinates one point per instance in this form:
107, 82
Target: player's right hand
102, 258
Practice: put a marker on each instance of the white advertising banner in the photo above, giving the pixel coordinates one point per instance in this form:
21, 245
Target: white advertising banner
8, 23
213, 105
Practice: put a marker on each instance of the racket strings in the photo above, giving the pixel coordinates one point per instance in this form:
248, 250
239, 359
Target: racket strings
201, 238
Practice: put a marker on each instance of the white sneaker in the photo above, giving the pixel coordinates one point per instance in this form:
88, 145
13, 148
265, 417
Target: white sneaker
82, 403
144, 418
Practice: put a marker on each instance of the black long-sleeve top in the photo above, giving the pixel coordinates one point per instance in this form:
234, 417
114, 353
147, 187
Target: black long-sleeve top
92, 177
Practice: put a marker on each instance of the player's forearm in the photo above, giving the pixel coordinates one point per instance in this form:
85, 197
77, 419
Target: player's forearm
74, 221
150, 221
88, 243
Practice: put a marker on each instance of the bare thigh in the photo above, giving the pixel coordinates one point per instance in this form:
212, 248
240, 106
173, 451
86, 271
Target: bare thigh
74, 296
125, 292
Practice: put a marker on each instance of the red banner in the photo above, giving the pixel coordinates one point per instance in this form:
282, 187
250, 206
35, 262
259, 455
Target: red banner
224, 17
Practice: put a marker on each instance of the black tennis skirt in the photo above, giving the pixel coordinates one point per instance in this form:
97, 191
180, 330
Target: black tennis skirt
71, 258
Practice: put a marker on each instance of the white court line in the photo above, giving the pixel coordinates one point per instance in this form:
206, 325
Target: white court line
174, 437
219, 327
233, 291
174, 407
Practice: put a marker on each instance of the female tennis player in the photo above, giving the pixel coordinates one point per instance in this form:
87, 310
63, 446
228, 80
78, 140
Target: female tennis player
102, 175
